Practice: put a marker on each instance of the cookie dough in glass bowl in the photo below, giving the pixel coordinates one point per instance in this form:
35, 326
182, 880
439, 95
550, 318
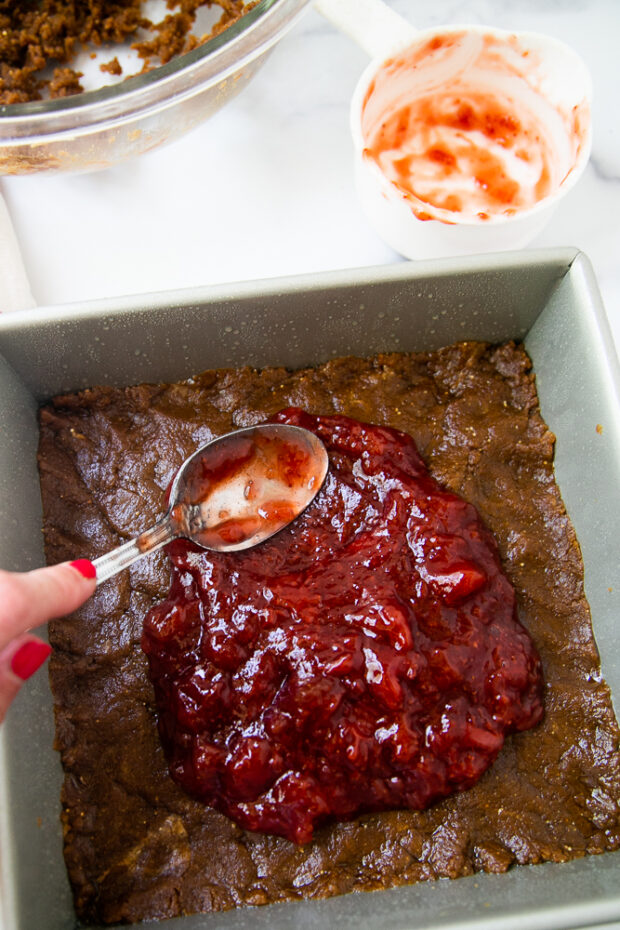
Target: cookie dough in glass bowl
104, 126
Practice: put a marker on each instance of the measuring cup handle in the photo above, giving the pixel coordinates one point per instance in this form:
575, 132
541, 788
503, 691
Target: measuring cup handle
122, 557
370, 23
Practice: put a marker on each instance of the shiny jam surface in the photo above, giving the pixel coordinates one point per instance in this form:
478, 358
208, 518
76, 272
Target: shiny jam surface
368, 657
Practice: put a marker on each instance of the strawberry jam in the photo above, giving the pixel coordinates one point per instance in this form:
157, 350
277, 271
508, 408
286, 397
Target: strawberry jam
367, 657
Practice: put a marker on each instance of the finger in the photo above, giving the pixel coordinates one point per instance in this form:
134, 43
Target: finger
28, 599
18, 661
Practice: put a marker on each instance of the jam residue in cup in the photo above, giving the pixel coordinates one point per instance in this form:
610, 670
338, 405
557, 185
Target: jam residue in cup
458, 125
368, 657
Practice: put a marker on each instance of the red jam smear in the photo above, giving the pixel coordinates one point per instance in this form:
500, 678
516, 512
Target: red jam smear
463, 127
368, 657
248, 486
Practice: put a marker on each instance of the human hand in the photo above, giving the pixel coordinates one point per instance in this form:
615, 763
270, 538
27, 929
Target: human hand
28, 599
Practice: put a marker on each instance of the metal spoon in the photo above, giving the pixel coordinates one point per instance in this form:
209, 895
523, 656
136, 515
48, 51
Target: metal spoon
233, 493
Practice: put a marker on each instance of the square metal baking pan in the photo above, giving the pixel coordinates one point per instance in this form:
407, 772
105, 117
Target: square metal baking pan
549, 299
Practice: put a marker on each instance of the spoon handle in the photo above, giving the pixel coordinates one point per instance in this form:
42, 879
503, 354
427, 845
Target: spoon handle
125, 555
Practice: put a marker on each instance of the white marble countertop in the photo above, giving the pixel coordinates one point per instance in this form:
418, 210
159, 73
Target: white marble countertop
265, 188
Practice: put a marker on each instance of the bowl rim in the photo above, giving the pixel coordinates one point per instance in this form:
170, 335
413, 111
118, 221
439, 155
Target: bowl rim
260, 27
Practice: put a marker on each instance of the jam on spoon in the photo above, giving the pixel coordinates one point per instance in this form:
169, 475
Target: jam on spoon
233, 493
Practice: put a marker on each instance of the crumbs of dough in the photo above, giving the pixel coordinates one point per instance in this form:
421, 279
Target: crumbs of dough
112, 67
37, 36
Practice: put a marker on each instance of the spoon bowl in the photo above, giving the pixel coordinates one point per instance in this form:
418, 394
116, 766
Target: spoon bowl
233, 493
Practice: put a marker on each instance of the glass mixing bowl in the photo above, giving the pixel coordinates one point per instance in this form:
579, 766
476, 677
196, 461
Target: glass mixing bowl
100, 128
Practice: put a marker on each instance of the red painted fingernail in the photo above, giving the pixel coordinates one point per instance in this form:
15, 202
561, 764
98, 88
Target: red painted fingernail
84, 567
29, 658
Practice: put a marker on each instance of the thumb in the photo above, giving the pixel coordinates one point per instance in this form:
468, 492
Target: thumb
28, 599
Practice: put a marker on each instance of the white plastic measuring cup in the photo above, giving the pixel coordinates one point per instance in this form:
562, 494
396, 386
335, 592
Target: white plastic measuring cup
466, 137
